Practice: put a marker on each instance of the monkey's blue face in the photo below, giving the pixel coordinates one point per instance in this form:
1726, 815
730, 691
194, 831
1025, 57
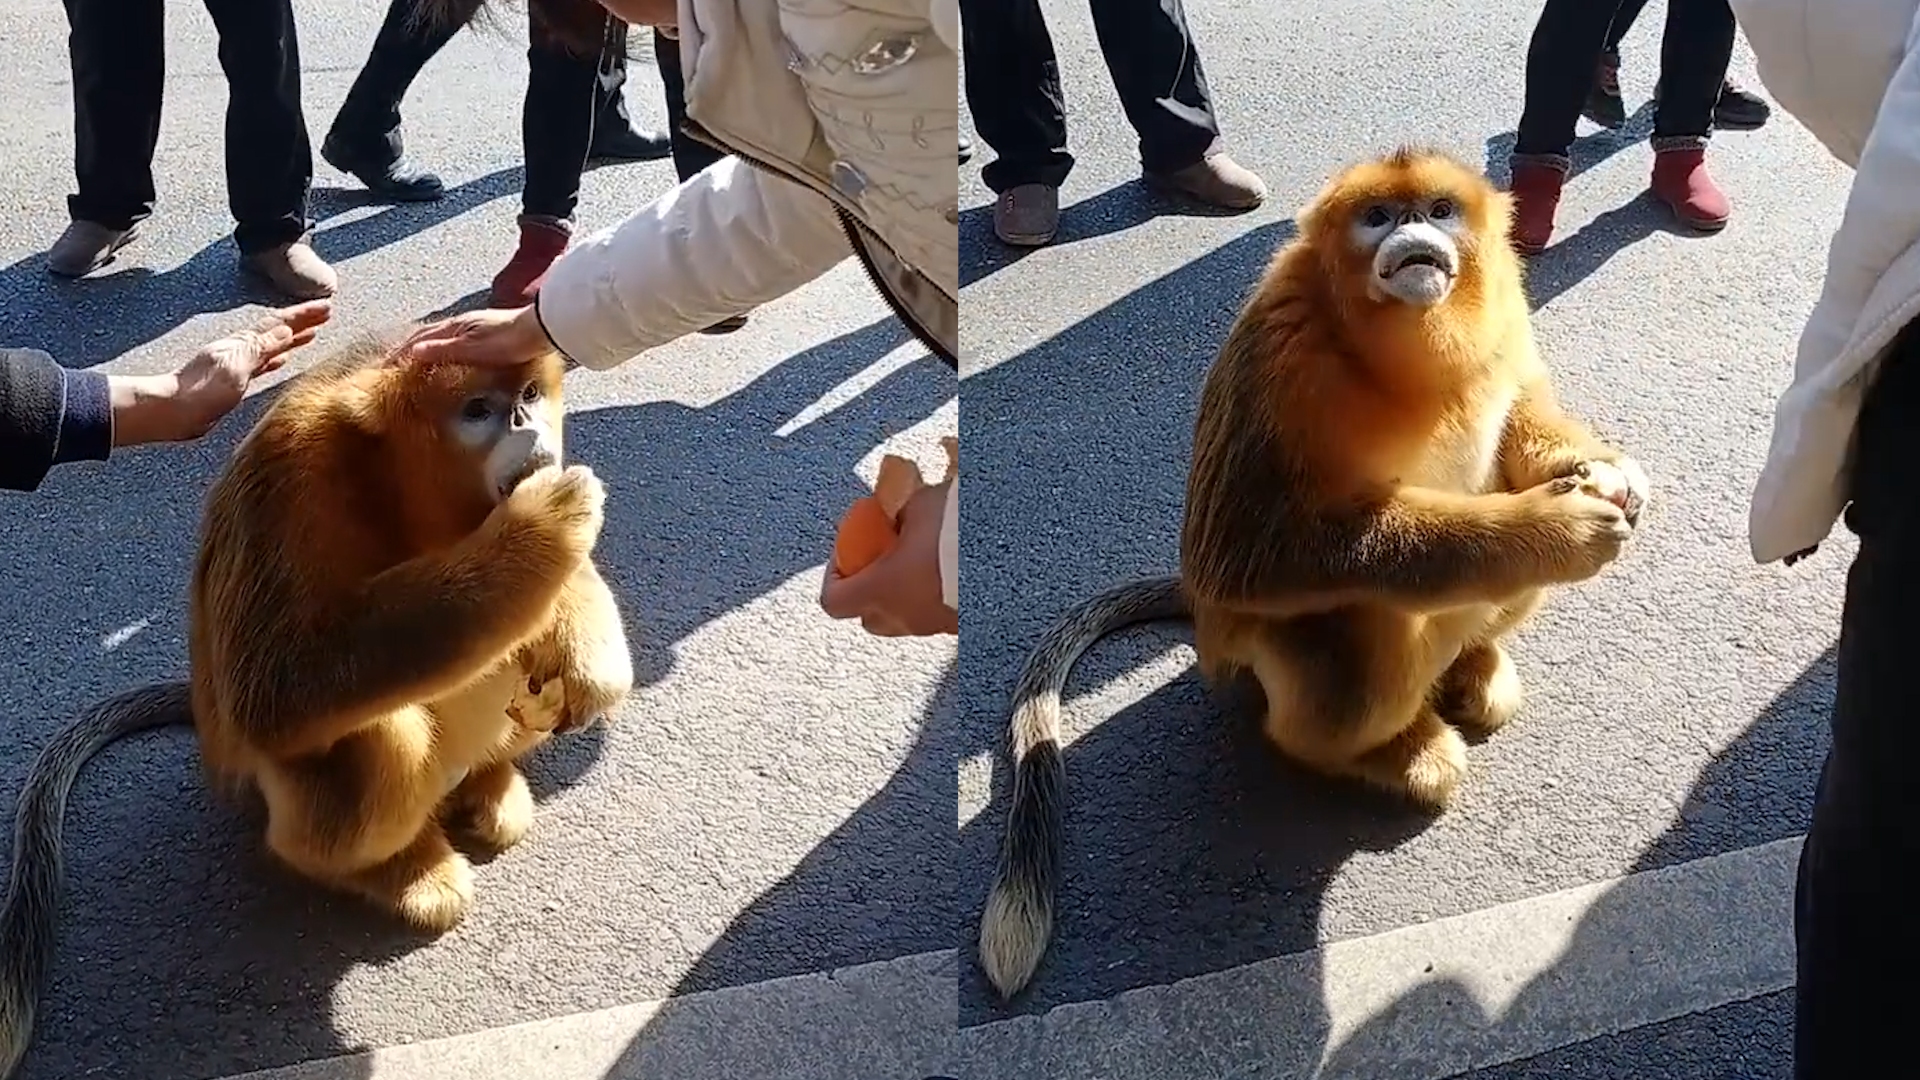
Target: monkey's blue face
511, 429
1414, 246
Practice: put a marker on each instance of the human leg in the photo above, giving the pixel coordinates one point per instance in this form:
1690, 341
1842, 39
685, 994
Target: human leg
1694, 53
365, 140
1561, 58
1012, 81
556, 133
118, 56
1156, 70
269, 158
614, 136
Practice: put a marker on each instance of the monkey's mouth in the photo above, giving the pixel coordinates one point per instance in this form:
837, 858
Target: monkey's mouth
1432, 260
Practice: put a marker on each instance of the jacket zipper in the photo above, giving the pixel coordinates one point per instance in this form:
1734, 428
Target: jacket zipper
848, 225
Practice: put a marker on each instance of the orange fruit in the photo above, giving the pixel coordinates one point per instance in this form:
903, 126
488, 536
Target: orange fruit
865, 534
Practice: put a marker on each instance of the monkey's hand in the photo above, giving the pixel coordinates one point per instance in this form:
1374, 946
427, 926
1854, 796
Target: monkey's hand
581, 663
1619, 480
1581, 532
558, 509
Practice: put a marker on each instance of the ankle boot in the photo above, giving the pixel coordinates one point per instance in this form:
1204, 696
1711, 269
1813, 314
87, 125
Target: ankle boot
1536, 184
1681, 180
542, 240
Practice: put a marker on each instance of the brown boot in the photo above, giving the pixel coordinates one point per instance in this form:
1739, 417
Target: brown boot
293, 270
1027, 215
1216, 180
1537, 180
542, 240
1681, 180
87, 246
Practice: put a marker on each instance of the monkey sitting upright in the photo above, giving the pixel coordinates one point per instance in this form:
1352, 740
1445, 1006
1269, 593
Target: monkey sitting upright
394, 600
1382, 486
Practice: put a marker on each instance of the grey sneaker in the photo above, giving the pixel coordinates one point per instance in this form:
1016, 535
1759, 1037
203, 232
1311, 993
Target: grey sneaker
1028, 215
87, 246
294, 270
1216, 181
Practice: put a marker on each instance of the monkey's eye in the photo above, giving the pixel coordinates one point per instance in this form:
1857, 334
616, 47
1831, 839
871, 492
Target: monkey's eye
1441, 210
531, 394
476, 409
1376, 217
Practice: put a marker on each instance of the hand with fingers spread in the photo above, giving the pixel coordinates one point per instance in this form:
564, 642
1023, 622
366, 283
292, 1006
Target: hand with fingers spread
186, 404
899, 594
497, 337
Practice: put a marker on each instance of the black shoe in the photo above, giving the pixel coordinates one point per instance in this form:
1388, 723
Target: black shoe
623, 143
966, 149
1740, 109
394, 181
1604, 105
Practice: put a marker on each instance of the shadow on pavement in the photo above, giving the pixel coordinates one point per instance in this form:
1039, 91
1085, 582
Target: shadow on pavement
185, 952
1116, 209
839, 908
1791, 729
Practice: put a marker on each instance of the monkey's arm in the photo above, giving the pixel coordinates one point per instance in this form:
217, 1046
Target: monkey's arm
1414, 548
411, 634
1541, 442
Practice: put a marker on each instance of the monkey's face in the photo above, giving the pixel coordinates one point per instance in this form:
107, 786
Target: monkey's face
1413, 245
1409, 229
509, 421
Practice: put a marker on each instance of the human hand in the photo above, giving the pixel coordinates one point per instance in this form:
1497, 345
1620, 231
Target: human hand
187, 403
496, 337
899, 594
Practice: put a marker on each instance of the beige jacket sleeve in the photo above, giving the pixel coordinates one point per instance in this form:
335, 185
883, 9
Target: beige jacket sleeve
728, 239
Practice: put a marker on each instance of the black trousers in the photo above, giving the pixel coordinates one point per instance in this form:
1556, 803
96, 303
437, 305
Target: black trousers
1855, 939
567, 95
690, 156
1013, 86
1623, 21
118, 52
1567, 42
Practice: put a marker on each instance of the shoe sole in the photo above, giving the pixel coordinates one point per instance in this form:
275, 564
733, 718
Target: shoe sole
1027, 239
104, 258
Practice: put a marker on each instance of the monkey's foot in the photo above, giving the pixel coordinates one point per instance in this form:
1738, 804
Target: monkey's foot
429, 884
1426, 762
1481, 691
494, 806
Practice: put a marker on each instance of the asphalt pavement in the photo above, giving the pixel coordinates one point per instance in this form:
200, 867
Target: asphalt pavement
751, 842
1611, 896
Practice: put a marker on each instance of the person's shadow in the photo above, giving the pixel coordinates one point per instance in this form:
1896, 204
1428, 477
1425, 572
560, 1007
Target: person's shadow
177, 931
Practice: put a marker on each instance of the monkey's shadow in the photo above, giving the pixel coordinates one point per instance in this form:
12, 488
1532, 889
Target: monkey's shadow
178, 931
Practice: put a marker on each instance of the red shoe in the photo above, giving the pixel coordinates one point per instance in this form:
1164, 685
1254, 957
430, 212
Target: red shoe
542, 240
1537, 180
1681, 180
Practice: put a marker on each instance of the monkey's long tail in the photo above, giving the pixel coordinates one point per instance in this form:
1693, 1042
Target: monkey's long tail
1019, 912
29, 917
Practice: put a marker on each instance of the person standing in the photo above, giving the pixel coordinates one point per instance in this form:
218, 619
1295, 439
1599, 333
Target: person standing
574, 110
1845, 436
118, 55
1561, 60
1013, 90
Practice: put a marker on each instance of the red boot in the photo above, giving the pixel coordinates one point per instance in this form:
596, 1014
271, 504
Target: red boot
1681, 180
1537, 179
542, 240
